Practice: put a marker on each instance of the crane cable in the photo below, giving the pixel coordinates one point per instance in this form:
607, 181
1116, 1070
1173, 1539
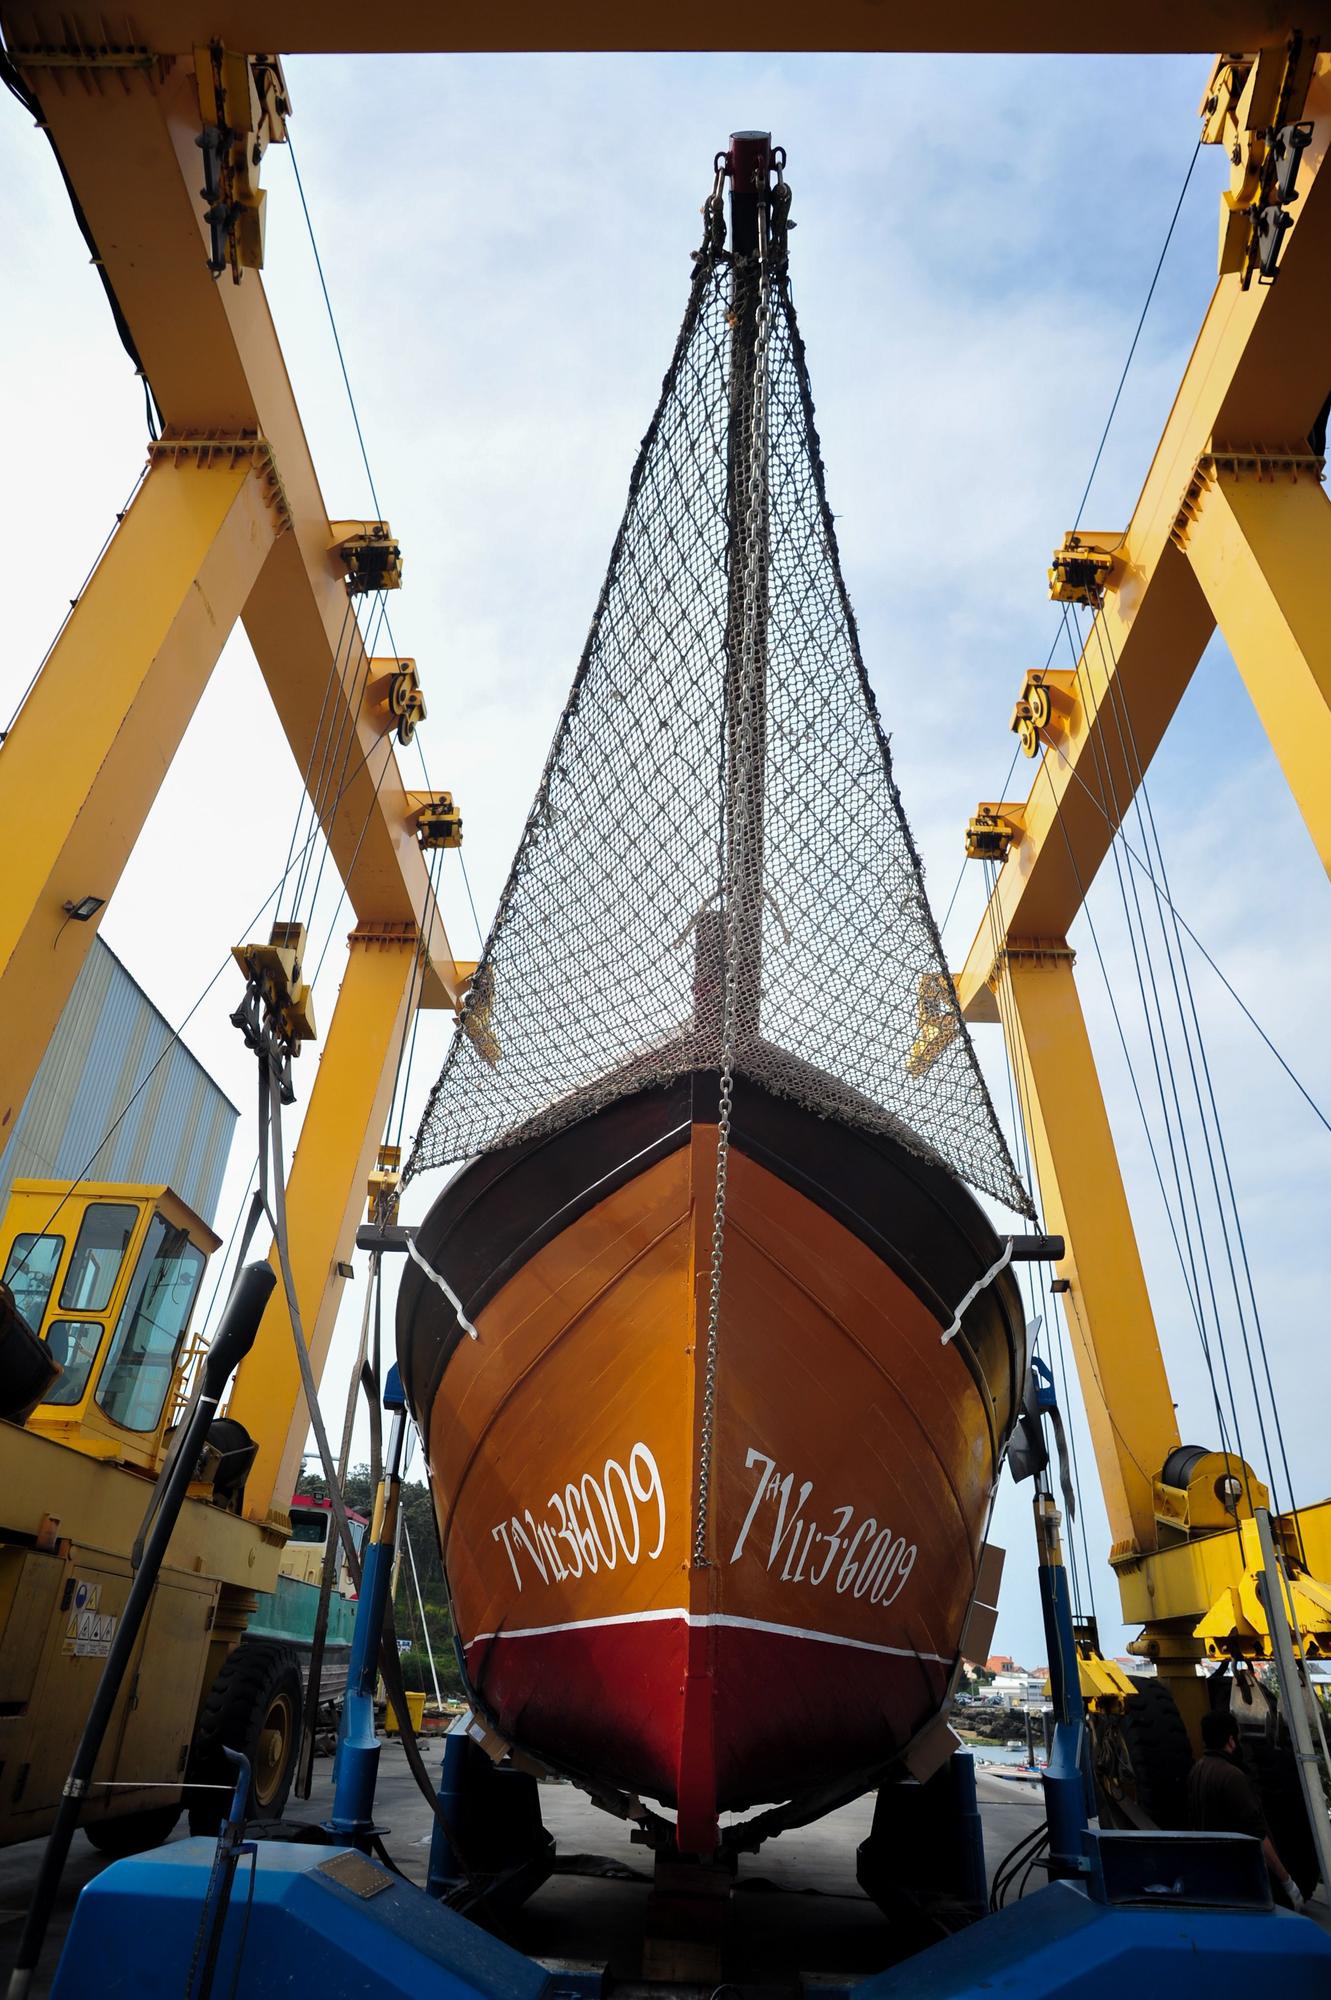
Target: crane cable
1188, 1206
1144, 868
1191, 1214
1199, 1070
1193, 1300
1023, 1113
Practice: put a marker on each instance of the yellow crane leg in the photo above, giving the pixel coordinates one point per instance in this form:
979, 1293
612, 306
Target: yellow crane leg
93, 741
1257, 531
1128, 1406
339, 1141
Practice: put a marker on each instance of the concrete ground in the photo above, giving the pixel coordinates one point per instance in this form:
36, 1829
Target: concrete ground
797, 1908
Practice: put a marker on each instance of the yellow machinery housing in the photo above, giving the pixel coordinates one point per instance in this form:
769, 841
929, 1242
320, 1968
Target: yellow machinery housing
109, 1276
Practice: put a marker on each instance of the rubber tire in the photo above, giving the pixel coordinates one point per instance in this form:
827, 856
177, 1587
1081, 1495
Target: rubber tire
1275, 1772
1158, 1750
258, 1688
132, 1833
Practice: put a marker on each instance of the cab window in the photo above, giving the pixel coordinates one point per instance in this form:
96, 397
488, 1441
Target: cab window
74, 1344
30, 1274
152, 1323
98, 1253
309, 1526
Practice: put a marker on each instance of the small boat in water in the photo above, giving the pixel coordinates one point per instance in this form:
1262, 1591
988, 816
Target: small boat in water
714, 1353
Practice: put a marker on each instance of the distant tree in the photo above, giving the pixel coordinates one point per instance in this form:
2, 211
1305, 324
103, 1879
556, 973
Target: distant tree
418, 1522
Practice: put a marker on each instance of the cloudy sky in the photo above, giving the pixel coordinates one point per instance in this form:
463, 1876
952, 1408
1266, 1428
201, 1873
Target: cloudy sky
506, 242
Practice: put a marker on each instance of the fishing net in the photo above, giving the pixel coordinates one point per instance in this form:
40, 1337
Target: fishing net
717, 863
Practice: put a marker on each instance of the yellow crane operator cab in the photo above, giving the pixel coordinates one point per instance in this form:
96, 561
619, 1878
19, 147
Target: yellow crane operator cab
107, 1279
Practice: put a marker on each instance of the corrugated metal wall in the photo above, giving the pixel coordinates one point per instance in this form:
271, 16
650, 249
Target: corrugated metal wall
177, 1130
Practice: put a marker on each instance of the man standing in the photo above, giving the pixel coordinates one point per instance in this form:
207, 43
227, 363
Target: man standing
1222, 1797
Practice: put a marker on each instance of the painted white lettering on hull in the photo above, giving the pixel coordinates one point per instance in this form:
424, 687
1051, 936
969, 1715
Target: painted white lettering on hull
591, 1523
869, 1560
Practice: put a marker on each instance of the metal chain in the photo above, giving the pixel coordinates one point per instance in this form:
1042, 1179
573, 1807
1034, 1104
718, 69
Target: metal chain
744, 781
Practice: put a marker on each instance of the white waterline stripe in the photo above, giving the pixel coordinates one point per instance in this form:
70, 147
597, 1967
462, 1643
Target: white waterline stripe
710, 1618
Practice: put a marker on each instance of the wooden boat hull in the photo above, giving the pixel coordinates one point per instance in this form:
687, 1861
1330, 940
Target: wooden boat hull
810, 1630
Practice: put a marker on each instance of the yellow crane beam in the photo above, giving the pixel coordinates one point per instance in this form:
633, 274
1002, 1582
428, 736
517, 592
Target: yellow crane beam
1232, 528
83, 762
339, 1139
1114, 1340
1257, 375
334, 26
128, 142
1257, 532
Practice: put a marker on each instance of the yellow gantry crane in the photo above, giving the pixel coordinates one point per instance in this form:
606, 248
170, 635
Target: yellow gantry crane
161, 118
1232, 529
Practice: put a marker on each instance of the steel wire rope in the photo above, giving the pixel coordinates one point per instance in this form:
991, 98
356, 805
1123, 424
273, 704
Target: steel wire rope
303, 799
1144, 868
1025, 1093
1190, 1219
74, 603
1146, 819
1251, 1018
1020, 1115
1194, 1290
341, 357
1112, 817
312, 792
1184, 1147
332, 780
1146, 307
1016, 1046
466, 883
355, 856
1221, 1424
411, 1016
348, 725
1084, 899
337, 342
157, 1062
231, 1235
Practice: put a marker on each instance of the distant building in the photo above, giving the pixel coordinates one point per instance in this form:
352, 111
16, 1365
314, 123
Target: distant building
1019, 1689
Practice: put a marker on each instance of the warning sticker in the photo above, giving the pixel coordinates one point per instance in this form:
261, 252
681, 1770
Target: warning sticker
90, 1630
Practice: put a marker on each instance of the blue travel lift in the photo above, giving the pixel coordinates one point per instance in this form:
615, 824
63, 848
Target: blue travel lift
1156, 1914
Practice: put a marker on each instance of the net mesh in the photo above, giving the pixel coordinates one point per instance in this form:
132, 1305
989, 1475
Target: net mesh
642, 926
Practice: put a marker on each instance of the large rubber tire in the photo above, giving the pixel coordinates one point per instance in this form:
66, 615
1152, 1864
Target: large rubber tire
133, 1833
1153, 1756
254, 1706
1275, 1772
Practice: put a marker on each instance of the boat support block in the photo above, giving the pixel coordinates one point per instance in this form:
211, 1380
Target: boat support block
1160, 1919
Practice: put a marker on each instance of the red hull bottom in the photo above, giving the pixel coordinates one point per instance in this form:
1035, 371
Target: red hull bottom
704, 1715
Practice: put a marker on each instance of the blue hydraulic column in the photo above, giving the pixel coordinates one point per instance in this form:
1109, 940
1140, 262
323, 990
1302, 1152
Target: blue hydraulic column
1068, 1796
357, 1763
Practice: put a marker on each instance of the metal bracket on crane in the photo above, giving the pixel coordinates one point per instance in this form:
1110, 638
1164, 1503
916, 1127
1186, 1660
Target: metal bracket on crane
277, 1012
244, 105
384, 1188
394, 686
369, 556
992, 829
438, 821
1083, 569
1251, 107
1044, 707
